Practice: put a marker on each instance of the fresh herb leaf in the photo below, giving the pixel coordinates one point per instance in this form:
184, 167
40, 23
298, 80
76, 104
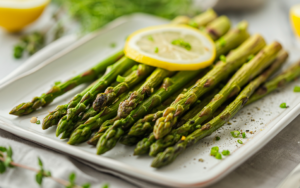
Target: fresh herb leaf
150, 38
222, 42
244, 135
105, 186
297, 89
57, 83
38, 122
235, 134
2, 167
182, 43
283, 105
226, 152
39, 178
156, 50
214, 150
223, 58
218, 156
240, 142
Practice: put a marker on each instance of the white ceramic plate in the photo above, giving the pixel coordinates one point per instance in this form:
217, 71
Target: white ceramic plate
264, 118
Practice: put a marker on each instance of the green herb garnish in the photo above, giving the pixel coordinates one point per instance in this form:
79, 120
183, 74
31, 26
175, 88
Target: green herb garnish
283, 105
182, 43
156, 50
235, 134
193, 24
217, 138
297, 89
223, 58
226, 152
38, 122
218, 156
214, 150
57, 83
150, 38
240, 142
244, 135
222, 42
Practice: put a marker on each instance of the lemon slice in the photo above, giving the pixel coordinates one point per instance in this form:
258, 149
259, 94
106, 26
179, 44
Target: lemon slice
16, 14
295, 19
172, 47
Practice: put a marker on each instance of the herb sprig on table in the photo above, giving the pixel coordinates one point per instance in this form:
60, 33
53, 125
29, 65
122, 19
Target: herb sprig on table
7, 162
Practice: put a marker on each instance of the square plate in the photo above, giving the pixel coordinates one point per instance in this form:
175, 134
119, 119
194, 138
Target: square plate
264, 118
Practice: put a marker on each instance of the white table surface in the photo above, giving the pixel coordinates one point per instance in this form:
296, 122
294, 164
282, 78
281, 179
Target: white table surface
267, 168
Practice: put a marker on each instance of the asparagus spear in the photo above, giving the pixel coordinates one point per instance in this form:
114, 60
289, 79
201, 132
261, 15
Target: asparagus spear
85, 128
111, 93
218, 27
232, 39
203, 19
53, 117
164, 124
198, 119
241, 35
281, 80
234, 60
57, 90
170, 85
170, 154
140, 129
111, 73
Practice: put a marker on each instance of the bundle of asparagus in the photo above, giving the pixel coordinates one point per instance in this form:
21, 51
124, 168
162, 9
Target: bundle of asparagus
126, 104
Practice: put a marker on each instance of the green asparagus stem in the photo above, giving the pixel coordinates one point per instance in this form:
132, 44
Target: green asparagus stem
222, 70
242, 75
170, 154
53, 117
111, 73
57, 90
85, 129
218, 27
232, 39
203, 19
140, 129
111, 93
281, 80
164, 124
169, 86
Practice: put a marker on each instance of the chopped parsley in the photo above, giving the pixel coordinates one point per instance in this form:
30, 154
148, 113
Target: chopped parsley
182, 43
217, 138
297, 89
240, 142
218, 156
235, 134
150, 38
38, 122
283, 105
244, 135
57, 83
222, 42
223, 58
214, 150
226, 152
156, 50
193, 24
